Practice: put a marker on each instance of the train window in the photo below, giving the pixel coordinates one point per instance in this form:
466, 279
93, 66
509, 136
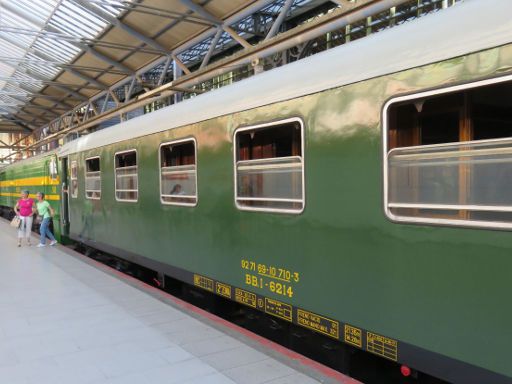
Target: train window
93, 178
74, 179
449, 156
52, 168
126, 182
178, 176
269, 167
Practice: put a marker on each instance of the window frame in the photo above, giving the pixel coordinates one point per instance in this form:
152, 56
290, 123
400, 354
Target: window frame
438, 221
115, 175
174, 142
303, 161
85, 179
53, 162
73, 195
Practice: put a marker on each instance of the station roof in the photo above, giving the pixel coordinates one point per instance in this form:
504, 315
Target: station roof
55, 54
70, 67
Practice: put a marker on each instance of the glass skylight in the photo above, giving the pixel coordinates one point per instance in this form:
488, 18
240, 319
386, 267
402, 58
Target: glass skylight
36, 36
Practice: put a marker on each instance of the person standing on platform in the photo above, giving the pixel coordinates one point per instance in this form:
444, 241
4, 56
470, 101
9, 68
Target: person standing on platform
24, 209
45, 211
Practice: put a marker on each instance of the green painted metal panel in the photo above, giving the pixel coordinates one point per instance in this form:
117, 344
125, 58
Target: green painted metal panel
32, 175
442, 289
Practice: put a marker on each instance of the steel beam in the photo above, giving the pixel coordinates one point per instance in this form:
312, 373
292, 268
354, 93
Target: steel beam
56, 111
180, 64
236, 37
55, 99
216, 21
154, 11
40, 107
279, 21
19, 123
56, 64
31, 118
213, 45
86, 78
128, 93
21, 139
35, 79
11, 129
256, 6
18, 147
164, 70
118, 23
201, 11
47, 58
45, 35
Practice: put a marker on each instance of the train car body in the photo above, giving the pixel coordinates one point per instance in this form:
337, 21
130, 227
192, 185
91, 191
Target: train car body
292, 198
37, 174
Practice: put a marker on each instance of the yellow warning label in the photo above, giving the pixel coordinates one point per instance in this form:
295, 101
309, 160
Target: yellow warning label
278, 309
203, 282
318, 323
382, 346
245, 297
223, 290
353, 335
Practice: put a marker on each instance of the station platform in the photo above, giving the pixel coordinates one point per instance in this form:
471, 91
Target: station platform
65, 318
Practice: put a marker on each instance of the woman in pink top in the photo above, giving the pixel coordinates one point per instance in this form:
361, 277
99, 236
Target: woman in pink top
24, 208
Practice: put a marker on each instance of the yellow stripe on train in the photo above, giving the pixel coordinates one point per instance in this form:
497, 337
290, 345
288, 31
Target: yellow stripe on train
30, 181
16, 194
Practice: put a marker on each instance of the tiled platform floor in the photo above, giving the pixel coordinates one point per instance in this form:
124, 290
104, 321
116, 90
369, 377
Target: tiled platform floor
64, 319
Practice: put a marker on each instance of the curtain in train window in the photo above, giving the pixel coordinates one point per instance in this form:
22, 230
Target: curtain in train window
93, 178
270, 167
74, 179
52, 168
178, 178
126, 183
450, 156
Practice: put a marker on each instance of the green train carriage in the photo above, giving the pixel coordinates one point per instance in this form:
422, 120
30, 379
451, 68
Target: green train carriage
37, 174
362, 201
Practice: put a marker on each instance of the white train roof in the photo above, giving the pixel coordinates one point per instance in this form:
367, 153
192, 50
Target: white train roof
471, 26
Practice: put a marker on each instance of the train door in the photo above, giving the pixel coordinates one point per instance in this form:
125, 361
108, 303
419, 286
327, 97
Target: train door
64, 198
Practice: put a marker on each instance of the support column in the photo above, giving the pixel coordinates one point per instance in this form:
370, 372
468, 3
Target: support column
176, 73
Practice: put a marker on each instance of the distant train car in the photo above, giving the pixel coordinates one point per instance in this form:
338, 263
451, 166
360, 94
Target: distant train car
363, 193
36, 174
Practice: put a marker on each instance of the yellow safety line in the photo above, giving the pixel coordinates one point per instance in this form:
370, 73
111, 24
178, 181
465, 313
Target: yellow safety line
30, 181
